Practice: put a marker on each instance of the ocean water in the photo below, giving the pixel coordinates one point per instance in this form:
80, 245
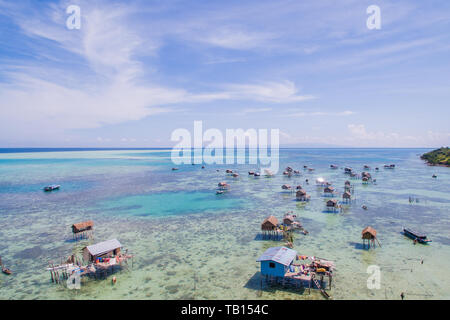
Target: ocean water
189, 243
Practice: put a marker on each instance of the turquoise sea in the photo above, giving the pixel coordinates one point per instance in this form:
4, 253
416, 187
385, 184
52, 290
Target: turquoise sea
190, 243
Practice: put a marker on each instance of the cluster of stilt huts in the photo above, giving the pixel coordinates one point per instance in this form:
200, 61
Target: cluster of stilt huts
282, 264
93, 261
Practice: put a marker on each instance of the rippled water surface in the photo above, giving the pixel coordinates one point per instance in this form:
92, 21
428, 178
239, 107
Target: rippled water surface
189, 242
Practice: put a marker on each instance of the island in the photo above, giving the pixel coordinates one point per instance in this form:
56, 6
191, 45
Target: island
438, 157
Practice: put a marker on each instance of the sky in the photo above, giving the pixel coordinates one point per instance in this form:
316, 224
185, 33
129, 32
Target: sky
135, 71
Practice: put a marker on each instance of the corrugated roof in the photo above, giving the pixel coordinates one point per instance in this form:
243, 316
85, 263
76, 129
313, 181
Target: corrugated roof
104, 247
281, 255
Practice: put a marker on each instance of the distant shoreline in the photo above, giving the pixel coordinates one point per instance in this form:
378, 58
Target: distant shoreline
439, 157
25, 150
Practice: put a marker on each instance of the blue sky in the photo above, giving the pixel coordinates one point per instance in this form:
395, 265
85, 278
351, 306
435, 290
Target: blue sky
137, 70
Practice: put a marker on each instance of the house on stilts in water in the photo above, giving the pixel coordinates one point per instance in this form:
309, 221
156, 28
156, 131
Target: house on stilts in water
279, 265
83, 230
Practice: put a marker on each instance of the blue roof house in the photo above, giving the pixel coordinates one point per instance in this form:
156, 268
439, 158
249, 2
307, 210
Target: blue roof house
275, 261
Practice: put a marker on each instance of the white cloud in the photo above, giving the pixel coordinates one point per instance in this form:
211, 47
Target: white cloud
235, 38
110, 89
280, 92
360, 136
321, 113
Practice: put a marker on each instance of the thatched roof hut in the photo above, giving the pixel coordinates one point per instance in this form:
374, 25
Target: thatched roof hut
366, 174
83, 226
332, 203
346, 195
301, 195
328, 189
286, 187
369, 233
269, 223
347, 183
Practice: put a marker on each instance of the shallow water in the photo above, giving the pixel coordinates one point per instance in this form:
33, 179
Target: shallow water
189, 242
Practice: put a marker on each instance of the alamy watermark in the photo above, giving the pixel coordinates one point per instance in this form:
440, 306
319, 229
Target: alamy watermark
235, 147
374, 280
74, 281
74, 20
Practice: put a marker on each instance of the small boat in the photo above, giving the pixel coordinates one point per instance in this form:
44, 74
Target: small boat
52, 187
6, 271
223, 185
417, 236
434, 176
220, 192
257, 174
333, 166
173, 169
250, 173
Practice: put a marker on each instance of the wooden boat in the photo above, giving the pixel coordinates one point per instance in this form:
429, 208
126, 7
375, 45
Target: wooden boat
52, 187
416, 235
6, 271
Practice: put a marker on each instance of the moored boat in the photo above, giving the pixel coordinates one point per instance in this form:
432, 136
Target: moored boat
419, 237
52, 187
5, 270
